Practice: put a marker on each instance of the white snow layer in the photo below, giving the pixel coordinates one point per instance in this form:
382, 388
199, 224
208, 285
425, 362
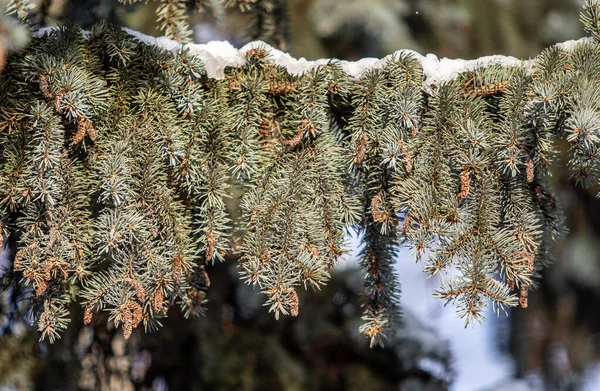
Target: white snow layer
217, 55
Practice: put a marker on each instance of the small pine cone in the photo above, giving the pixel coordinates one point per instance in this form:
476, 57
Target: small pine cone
88, 313
294, 142
80, 134
361, 150
529, 170
523, 296
465, 184
57, 100
91, 131
158, 299
526, 258
44, 86
47, 268
53, 236
45, 321
140, 292
530, 261
294, 302
176, 268
127, 324
266, 129
138, 314
378, 208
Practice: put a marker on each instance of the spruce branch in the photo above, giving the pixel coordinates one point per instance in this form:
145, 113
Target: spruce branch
122, 165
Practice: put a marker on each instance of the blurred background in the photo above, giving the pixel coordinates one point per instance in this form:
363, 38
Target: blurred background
553, 345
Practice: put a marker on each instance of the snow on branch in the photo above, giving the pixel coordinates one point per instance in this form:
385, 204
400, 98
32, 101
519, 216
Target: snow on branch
217, 55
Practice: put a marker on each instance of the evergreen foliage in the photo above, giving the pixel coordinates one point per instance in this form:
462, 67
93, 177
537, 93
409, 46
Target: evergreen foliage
118, 161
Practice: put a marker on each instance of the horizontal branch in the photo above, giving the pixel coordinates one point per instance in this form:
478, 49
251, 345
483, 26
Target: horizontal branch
135, 121
217, 55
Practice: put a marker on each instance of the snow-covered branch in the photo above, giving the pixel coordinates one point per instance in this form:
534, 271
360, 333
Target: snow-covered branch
217, 55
